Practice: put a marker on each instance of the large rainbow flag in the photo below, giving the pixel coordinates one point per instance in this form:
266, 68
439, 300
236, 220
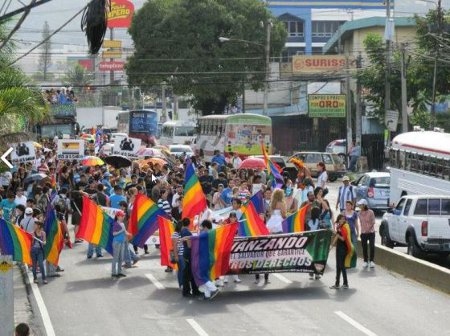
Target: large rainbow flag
350, 257
15, 242
297, 221
210, 254
251, 224
273, 169
166, 230
95, 225
258, 201
55, 238
143, 219
194, 200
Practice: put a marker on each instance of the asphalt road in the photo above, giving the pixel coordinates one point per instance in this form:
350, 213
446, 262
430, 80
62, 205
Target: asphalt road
85, 300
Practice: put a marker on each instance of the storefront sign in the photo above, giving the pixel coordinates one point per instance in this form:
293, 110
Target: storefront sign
324, 105
111, 66
121, 14
303, 64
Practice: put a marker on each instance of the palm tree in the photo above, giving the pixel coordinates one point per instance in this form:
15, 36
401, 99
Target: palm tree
78, 77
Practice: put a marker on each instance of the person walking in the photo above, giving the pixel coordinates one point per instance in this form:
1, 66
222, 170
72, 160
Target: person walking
354, 153
346, 193
352, 219
343, 245
119, 239
367, 222
37, 251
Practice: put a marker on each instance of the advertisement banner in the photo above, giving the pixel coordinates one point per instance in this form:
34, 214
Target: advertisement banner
127, 147
304, 64
22, 152
325, 105
294, 252
70, 149
121, 14
111, 66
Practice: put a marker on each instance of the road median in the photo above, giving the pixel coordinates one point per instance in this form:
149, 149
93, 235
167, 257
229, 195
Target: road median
422, 271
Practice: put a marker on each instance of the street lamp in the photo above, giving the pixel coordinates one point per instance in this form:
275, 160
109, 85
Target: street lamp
267, 61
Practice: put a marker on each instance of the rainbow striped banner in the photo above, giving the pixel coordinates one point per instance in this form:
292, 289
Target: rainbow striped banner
297, 221
144, 219
166, 230
95, 226
350, 257
194, 200
15, 242
55, 238
251, 224
210, 254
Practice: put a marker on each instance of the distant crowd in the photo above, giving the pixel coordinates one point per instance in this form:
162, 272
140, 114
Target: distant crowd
64, 95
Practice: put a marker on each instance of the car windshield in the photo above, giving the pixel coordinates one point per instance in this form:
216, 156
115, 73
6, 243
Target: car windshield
180, 149
382, 181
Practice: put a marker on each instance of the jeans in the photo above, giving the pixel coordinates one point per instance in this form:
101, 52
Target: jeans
353, 161
129, 255
180, 273
37, 256
188, 280
90, 252
118, 251
368, 238
340, 265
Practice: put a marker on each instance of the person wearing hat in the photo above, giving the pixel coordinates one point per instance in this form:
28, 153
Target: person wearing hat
346, 193
119, 240
106, 183
367, 223
27, 223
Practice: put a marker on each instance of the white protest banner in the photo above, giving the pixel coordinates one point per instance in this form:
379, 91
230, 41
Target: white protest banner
127, 147
23, 152
69, 149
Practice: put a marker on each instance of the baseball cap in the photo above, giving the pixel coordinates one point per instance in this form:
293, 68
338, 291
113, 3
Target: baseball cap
28, 211
345, 178
362, 202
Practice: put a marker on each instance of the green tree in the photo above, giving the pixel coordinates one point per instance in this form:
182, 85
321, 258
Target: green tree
177, 42
45, 57
78, 77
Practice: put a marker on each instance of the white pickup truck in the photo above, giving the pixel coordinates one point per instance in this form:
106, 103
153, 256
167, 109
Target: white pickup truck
420, 222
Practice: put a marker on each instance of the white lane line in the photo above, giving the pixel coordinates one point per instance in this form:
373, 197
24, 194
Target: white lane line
155, 281
282, 278
42, 307
198, 329
355, 324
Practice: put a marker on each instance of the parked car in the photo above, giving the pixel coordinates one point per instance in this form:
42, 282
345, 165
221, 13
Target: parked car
374, 188
333, 163
338, 147
178, 150
420, 222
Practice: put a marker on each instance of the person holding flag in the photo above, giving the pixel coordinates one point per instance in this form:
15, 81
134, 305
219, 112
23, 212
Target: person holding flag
37, 251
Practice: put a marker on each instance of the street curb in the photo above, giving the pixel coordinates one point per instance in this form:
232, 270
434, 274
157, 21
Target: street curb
422, 271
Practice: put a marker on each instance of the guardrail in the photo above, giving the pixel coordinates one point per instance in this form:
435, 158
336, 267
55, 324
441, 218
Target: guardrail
422, 271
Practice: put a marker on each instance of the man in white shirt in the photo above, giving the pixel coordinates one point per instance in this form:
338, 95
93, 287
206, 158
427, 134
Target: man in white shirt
20, 197
346, 193
236, 160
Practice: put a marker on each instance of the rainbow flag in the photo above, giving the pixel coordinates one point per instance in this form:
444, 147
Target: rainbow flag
250, 224
55, 238
210, 253
15, 242
273, 169
143, 219
258, 201
350, 257
194, 200
166, 230
95, 225
297, 221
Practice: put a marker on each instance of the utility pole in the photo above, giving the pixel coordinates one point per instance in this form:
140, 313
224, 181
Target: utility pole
349, 106
358, 122
439, 34
387, 83
403, 87
267, 67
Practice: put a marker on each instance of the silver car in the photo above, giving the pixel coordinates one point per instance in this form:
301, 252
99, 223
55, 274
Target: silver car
374, 188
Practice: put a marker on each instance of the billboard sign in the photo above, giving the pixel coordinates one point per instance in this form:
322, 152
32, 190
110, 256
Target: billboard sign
127, 147
314, 64
111, 65
117, 44
327, 105
23, 152
69, 149
121, 14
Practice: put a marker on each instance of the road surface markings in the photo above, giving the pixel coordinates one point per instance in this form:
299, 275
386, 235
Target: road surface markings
198, 329
42, 307
282, 278
155, 281
355, 324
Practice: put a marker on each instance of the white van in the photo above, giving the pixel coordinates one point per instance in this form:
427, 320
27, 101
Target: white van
420, 222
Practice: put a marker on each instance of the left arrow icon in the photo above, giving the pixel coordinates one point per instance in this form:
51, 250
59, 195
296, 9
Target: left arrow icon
3, 157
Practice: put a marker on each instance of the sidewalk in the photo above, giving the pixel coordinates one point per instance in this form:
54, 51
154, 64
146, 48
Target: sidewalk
23, 301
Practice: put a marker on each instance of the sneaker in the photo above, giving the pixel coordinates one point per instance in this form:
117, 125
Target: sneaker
237, 280
135, 261
121, 275
168, 269
317, 276
219, 283
372, 264
345, 286
365, 264
100, 256
127, 266
214, 294
334, 286
45, 282
59, 269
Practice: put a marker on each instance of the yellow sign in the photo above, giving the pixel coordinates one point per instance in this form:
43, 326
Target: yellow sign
304, 64
112, 53
326, 105
5, 266
112, 44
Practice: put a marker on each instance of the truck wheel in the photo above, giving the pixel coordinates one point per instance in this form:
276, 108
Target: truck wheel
332, 177
385, 239
413, 249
